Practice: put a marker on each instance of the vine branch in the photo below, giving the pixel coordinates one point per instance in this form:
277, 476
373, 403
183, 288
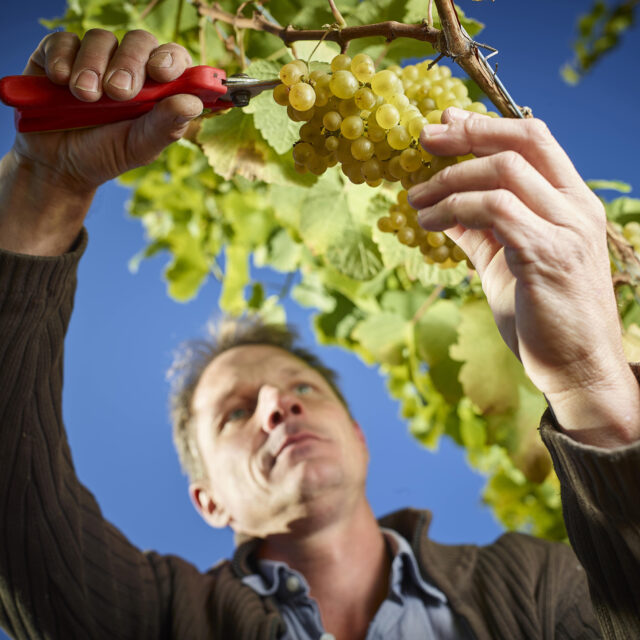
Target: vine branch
390, 30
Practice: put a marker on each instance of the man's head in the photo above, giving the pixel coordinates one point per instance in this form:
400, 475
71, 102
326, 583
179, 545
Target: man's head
263, 431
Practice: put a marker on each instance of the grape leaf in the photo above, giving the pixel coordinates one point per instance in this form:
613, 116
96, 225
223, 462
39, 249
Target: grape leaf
479, 347
383, 336
355, 255
324, 219
272, 121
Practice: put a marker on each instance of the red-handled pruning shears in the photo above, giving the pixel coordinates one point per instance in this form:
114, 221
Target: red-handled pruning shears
42, 105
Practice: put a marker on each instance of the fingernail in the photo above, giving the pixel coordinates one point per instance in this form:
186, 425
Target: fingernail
161, 59
61, 67
87, 81
433, 130
121, 79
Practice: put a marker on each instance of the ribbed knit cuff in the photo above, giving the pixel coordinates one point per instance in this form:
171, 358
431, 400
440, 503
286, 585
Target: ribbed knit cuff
607, 479
26, 277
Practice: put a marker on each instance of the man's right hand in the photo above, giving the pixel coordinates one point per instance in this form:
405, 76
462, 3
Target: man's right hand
47, 181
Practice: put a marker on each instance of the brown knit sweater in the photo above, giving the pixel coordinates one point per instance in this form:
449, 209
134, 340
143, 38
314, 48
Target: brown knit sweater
66, 573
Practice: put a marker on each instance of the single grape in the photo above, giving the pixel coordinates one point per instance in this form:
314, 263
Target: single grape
385, 225
387, 116
407, 236
316, 164
384, 83
416, 125
342, 62
331, 120
362, 149
331, 143
382, 150
434, 116
399, 101
290, 74
395, 168
410, 160
281, 95
457, 254
477, 107
352, 127
409, 114
436, 239
398, 219
398, 137
348, 108
410, 74
363, 71
426, 105
343, 84
301, 152
302, 96
372, 170
365, 98
440, 254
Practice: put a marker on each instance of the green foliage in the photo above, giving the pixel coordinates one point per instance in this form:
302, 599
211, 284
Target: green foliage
599, 32
230, 197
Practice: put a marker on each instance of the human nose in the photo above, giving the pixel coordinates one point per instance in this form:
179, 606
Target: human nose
274, 406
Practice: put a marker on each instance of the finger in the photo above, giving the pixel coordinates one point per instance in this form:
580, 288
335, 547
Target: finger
168, 62
485, 136
54, 57
503, 170
512, 223
90, 64
125, 73
166, 123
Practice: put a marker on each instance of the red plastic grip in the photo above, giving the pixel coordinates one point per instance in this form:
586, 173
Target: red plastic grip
42, 105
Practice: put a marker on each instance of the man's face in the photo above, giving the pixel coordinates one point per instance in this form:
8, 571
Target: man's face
278, 446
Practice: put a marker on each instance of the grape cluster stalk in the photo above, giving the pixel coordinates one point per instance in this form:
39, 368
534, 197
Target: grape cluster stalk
369, 122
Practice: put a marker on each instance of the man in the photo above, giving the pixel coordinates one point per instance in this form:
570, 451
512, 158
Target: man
274, 450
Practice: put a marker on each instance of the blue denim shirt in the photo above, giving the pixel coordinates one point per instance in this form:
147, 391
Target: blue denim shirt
414, 608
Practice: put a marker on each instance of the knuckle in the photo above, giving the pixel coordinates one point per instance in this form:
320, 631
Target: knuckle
501, 201
537, 129
444, 175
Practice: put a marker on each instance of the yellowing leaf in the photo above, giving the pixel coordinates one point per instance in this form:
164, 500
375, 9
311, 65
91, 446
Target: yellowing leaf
491, 374
384, 336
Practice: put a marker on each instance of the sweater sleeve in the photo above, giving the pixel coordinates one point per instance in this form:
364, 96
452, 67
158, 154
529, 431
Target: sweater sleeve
602, 513
65, 572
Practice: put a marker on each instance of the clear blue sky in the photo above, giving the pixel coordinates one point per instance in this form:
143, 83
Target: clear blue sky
125, 327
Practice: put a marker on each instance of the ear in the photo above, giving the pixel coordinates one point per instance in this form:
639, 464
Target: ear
212, 512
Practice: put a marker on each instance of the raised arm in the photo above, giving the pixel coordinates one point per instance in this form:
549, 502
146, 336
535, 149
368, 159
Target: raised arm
537, 237
65, 572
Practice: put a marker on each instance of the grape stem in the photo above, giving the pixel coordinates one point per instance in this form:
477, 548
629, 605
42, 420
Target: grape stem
337, 15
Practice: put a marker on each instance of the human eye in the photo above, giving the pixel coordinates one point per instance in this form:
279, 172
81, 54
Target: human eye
234, 416
303, 388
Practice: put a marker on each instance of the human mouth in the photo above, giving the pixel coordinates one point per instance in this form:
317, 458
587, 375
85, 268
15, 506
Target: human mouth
294, 440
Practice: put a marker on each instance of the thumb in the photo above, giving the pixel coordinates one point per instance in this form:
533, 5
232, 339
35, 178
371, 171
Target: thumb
166, 123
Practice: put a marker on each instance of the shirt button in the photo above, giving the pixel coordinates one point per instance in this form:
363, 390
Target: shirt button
293, 584
327, 636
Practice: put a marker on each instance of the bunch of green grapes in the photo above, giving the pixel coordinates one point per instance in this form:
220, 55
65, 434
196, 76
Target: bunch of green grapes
370, 122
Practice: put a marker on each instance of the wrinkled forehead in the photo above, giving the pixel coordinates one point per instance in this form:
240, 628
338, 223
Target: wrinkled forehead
246, 365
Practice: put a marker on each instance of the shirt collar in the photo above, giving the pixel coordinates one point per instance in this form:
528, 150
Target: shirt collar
277, 579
